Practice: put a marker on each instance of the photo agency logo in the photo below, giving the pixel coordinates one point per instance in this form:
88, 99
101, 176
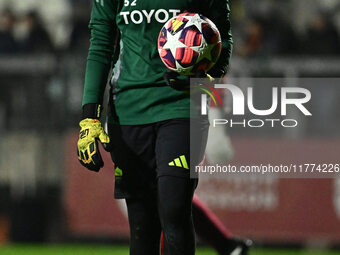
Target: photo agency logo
246, 114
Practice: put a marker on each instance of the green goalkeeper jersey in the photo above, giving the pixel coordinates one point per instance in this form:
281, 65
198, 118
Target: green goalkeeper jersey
141, 94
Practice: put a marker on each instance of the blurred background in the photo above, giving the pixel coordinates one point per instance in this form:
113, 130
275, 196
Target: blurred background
45, 196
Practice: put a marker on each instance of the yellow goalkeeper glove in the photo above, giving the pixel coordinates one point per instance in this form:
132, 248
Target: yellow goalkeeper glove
88, 151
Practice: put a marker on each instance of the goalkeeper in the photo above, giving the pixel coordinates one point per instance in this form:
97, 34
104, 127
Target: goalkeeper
149, 121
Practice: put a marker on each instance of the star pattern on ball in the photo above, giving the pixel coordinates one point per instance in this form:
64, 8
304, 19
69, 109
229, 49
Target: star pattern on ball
173, 43
199, 48
196, 21
206, 53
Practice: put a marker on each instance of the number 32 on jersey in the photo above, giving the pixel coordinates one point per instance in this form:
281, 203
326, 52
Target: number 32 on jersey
130, 2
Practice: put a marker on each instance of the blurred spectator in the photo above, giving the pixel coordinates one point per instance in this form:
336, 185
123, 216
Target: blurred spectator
80, 34
254, 36
269, 36
7, 42
322, 37
54, 14
279, 37
32, 36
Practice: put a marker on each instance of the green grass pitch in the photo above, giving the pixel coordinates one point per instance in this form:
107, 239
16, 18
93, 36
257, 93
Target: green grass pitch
123, 250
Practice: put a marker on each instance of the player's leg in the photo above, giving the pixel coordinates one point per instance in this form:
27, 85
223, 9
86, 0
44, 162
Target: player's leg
174, 204
208, 226
211, 229
175, 188
135, 181
145, 228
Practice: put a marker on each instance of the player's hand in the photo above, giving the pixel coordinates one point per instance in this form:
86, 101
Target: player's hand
172, 80
88, 151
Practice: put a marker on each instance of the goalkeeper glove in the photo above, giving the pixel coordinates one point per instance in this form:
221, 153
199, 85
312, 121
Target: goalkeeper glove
91, 131
172, 80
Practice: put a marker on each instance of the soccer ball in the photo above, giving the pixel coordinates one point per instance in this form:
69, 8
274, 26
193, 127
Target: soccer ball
189, 43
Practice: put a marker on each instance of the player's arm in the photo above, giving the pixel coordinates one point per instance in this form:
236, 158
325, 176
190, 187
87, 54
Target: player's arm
219, 13
103, 32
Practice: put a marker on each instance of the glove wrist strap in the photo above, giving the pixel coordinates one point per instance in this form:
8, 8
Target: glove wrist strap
92, 111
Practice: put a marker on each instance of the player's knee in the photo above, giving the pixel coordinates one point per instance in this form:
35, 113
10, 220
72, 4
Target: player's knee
175, 217
175, 199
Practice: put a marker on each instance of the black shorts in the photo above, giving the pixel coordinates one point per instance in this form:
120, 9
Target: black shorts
142, 153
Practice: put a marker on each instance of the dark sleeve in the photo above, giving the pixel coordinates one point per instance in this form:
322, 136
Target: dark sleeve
103, 32
219, 13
